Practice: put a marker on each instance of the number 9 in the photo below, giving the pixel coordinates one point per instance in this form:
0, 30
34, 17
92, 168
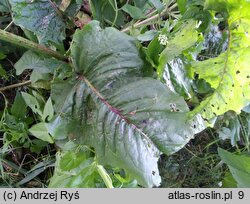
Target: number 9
241, 194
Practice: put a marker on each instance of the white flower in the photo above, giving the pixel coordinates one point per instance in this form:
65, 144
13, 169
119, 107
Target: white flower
163, 39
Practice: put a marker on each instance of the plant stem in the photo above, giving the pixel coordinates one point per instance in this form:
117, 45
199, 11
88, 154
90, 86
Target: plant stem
147, 20
20, 41
103, 173
25, 83
8, 26
138, 24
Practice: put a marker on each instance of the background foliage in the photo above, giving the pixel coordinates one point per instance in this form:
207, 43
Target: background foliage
124, 93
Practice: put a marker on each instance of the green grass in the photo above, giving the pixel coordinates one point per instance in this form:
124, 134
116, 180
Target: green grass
197, 165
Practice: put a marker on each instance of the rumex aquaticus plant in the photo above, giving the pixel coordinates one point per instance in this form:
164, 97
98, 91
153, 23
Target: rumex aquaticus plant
114, 101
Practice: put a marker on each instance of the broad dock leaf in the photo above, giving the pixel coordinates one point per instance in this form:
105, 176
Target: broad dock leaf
129, 119
228, 74
41, 17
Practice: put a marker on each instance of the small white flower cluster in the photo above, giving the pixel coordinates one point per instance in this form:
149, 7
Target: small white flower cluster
163, 39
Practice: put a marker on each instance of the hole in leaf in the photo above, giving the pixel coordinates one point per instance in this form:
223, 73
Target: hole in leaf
46, 118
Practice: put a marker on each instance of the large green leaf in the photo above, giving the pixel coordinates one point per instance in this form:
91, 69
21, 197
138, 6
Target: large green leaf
140, 3
107, 12
239, 166
40, 131
228, 74
109, 105
74, 170
182, 5
157, 4
183, 39
195, 10
19, 107
73, 7
32, 102
4, 6
234, 127
135, 12
41, 17
175, 77
42, 67
38, 63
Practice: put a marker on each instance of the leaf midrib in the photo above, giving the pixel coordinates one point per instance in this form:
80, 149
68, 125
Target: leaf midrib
113, 109
223, 75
